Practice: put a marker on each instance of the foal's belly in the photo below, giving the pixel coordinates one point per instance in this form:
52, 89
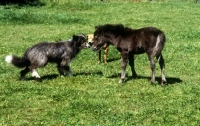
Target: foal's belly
138, 50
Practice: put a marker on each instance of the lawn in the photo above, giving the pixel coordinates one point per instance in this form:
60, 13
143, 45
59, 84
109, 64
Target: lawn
93, 95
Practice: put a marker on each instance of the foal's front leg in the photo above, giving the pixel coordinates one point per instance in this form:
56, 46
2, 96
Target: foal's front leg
131, 63
99, 56
124, 56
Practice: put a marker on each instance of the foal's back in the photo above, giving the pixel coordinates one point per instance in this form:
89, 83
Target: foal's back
142, 40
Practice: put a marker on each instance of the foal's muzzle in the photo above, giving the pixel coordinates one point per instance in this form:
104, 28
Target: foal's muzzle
94, 49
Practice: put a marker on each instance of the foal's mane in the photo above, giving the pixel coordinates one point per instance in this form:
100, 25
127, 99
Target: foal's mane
113, 28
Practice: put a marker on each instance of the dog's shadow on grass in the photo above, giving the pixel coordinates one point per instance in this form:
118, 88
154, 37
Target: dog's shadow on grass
49, 77
53, 76
45, 77
170, 80
99, 73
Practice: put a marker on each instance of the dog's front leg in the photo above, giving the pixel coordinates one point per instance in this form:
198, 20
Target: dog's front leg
61, 70
63, 67
105, 54
69, 70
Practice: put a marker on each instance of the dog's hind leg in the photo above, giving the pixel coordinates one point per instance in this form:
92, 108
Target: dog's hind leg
24, 72
34, 73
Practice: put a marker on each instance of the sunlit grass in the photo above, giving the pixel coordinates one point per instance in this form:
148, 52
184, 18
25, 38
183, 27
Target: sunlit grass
93, 96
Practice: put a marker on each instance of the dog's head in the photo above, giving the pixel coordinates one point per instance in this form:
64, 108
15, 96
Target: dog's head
90, 39
81, 41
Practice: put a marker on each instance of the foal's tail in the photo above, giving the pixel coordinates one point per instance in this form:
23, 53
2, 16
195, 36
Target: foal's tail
162, 40
17, 61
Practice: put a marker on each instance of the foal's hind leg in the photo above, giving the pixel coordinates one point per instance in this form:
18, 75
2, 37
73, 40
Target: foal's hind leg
162, 67
152, 65
131, 63
123, 66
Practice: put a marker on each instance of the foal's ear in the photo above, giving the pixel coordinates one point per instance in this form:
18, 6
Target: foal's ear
96, 28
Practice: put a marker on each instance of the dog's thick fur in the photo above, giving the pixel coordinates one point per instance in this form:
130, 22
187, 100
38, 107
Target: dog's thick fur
105, 48
40, 54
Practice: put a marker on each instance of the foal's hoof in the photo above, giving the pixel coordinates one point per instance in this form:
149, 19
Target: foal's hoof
121, 81
134, 75
164, 83
152, 82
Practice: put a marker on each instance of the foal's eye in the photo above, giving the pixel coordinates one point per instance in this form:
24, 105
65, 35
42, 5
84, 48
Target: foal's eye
95, 37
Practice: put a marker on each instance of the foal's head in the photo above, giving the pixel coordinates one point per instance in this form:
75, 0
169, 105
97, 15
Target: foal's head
98, 40
106, 34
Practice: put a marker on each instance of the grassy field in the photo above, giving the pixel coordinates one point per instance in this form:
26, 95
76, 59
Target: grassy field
93, 96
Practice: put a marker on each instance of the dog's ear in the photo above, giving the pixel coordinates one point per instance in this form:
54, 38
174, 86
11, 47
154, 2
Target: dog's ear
75, 38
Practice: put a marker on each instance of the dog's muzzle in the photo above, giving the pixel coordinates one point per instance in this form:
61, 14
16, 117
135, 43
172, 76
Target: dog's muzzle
90, 43
87, 45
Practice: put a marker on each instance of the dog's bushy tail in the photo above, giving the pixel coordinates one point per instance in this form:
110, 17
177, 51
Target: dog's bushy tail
17, 61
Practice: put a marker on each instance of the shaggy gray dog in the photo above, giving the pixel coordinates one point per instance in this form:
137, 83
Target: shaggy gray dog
40, 54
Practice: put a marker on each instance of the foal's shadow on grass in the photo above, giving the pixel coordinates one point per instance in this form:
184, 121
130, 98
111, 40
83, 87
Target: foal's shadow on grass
170, 80
113, 59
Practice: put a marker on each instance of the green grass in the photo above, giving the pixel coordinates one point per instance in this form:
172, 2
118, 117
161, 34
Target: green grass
93, 96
